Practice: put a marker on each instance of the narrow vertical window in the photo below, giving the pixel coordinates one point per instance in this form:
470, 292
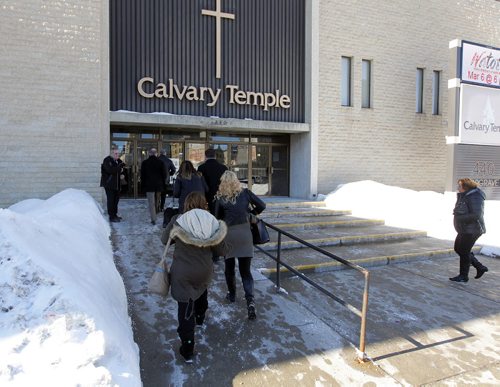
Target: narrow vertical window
366, 81
435, 92
420, 90
346, 81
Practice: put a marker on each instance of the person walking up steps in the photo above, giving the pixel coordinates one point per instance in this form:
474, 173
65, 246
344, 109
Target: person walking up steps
197, 234
232, 205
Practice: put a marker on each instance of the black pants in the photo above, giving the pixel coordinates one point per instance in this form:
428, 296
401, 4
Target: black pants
186, 312
246, 275
112, 198
463, 247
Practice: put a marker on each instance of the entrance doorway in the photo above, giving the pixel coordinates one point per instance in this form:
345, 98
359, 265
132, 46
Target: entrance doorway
260, 162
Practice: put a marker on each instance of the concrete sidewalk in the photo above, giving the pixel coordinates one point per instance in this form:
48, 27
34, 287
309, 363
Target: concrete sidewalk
422, 328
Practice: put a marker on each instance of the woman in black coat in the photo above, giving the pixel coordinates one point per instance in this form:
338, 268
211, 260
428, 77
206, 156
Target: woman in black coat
469, 224
188, 180
232, 206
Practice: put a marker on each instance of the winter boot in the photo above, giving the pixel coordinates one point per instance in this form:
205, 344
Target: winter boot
251, 310
187, 350
231, 297
480, 271
199, 319
459, 278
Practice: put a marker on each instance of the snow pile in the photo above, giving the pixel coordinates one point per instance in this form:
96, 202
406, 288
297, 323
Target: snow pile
63, 308
418, 210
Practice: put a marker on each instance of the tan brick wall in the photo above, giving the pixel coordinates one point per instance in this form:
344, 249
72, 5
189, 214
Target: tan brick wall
390, 143
54, 128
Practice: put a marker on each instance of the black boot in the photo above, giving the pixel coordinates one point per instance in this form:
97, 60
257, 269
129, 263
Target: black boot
459, 278
480, 271
231, 297
187, 350
251, 310
199, 319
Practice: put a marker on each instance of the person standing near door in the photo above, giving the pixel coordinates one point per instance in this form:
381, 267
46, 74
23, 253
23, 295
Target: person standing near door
111, 170
153, 175
211, 171
170, 169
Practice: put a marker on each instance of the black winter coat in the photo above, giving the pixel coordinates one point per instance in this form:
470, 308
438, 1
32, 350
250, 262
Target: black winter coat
110, 173
212, 171
153, 174
169, 167
468, 214
183, 187
237, 213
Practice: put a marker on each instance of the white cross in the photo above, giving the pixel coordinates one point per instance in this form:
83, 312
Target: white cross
218, 29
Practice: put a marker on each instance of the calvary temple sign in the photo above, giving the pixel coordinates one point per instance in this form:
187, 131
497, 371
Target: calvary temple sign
188, 58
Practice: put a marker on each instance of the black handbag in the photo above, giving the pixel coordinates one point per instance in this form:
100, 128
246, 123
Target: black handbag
259, 232
169, 213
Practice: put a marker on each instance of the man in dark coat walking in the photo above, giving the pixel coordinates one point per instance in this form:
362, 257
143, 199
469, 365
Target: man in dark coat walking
111, 169
170, 169
211, 170
153, 175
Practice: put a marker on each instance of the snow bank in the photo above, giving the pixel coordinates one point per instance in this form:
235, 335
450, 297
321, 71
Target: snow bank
63, 317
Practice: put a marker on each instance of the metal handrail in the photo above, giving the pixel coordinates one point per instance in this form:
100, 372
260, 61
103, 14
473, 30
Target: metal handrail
360, 313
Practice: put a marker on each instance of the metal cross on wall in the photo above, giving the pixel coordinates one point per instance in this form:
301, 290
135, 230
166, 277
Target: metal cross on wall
218, 14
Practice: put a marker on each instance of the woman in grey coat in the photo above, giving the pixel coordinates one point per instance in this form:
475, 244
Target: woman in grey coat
197, 236
233, 206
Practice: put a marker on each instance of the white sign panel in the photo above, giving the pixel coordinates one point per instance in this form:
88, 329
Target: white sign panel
479, 115
480, 64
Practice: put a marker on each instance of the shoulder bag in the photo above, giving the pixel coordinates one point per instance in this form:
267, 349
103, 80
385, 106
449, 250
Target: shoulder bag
160, 281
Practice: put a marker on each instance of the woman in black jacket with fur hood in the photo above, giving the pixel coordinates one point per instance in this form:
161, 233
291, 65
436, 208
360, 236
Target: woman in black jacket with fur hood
197, 236
469, 224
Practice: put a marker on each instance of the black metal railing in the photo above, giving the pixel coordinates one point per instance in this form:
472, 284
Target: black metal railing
360, 313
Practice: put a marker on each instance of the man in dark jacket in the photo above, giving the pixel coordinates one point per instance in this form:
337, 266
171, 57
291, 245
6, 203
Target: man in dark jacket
111, 168
170, 169
153, 174
211, 171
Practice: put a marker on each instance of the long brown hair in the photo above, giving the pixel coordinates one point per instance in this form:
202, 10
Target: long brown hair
187, 169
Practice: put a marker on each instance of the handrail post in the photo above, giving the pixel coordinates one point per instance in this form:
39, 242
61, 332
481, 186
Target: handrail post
278, 261
364, 311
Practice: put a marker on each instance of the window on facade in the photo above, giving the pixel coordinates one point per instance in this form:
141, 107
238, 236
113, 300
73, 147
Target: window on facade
346, 81
366, 80
436, 76
420, 90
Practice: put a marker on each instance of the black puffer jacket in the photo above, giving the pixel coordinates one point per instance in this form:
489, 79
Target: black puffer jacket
237, 213
469, 211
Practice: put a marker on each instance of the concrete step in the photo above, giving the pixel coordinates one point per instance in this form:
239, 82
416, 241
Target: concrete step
341, 236
365, 255
280, 212
312, 222
294, 204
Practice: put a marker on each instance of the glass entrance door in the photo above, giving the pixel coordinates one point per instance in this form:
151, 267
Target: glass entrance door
279, 170
260, 169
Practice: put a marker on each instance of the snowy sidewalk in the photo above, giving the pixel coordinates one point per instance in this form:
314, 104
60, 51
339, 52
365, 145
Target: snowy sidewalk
421, 329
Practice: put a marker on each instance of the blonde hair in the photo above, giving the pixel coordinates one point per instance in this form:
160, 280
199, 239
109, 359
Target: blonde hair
467, 183
229, 188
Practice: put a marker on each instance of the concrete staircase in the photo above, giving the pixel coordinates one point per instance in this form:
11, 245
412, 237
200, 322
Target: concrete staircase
365, 242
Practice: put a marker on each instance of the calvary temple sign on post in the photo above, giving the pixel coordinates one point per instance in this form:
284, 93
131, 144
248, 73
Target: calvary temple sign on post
210, 58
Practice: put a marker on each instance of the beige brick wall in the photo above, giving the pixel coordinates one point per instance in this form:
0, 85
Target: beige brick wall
54, 126
390, 143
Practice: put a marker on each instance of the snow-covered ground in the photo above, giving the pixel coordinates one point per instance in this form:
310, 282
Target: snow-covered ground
420, 210
63, 316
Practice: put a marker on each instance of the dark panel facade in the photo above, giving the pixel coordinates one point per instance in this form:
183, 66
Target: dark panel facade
171, 46
480, 163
